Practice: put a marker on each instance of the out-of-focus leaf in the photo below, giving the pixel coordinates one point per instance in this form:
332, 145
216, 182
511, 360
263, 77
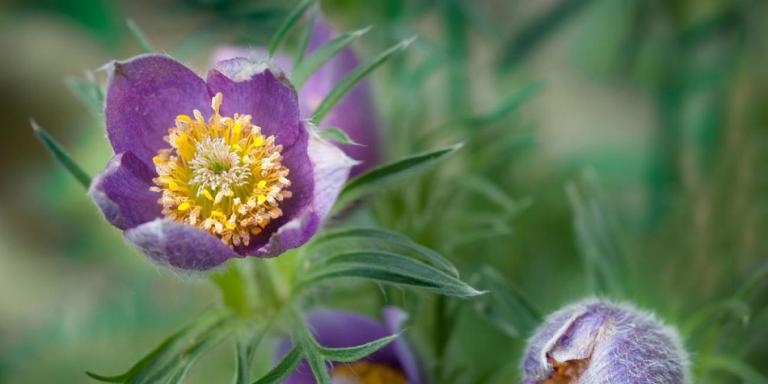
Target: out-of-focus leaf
89, 93
733, 366
508, 104
372, 235
61, 156
505, 306
386, 174
533, 34
597, 238
301, 49
140, 37
353, 78
388, 268
358, 352
289, 22
337, 135
284, 368
327, 51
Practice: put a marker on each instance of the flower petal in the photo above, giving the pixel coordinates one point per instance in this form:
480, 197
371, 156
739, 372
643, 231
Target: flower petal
122, 192
257, 54
354, 113
329, 171
144, 96
179, 246
251, 88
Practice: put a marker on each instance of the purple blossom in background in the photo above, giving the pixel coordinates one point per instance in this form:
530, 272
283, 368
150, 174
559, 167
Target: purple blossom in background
599, 342
393, 364
207, 170
354, 113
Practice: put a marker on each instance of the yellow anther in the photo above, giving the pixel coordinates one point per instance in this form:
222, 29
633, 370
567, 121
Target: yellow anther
184, 206
207, 194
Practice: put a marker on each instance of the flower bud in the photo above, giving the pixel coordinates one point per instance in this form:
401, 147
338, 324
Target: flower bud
600, 342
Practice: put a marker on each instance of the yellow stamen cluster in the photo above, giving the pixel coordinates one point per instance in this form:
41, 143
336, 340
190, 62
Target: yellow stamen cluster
367, 373
221, 175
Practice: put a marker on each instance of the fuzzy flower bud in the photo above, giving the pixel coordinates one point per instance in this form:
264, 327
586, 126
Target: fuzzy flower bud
599, 342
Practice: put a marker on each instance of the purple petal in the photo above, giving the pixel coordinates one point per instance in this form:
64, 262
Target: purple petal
122, 192
144, 96
252, 88
179, 246
354, 113
329, 170
339, 329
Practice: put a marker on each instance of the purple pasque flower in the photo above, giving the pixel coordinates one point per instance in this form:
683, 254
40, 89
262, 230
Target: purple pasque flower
600, 342
393, 364
207, 170
354, 113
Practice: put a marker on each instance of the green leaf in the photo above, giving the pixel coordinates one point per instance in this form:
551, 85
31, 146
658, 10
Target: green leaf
176, 351
325, 52
284, 368
371, 235
352, 354
735, 367
388, 268
60, 155
140, 37
301, 48
289, 22
303, 336
355, 76
378, 177
89, 93
505, 306
337, 135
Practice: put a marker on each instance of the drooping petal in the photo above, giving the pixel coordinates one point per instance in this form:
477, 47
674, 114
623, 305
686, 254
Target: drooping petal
251, 88
122, 192
178, 245
394, 319
330, 170
144, 96
354, 113
339, 329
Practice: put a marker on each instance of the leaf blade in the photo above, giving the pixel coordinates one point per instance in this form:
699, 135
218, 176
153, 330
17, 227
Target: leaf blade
286, 26
61, 155
323, 54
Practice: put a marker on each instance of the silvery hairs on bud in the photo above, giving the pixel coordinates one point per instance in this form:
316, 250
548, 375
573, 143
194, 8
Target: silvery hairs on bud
596, 341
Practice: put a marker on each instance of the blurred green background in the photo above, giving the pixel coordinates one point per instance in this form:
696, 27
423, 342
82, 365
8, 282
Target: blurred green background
655, 112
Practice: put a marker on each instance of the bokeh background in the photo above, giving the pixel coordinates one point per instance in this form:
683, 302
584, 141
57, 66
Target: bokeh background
597, 132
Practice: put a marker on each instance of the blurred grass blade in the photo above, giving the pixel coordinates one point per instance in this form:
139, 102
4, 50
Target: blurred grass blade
337, 135
371, 235
284, 368
289, 22
140, 37
358, 352
508, 104
505, 306
180, 347
61, 156
533, 35
388, 268
733, 366
327, 51
597, 238
301, 49
89, 93
353, 78
378, 177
